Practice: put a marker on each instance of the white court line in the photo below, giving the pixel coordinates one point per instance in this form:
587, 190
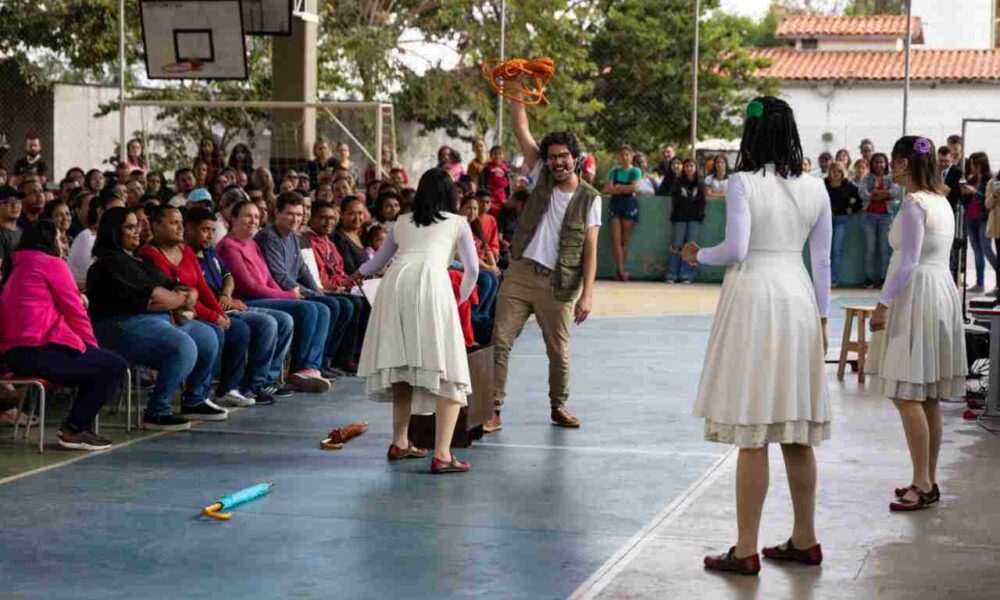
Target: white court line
83, 455
606, 573
594, 449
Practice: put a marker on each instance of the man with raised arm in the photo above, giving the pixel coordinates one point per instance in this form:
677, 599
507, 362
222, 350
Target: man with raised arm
554, 262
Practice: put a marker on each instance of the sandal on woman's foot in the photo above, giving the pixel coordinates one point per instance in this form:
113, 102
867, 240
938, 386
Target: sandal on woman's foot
729, 563
935, 493
440, 467
924, 500
397, 453
788, 552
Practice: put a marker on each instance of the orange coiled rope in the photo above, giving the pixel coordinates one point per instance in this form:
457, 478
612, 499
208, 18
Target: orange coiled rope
520, 79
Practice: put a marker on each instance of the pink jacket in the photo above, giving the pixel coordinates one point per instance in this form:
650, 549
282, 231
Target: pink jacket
41, 305
250, 274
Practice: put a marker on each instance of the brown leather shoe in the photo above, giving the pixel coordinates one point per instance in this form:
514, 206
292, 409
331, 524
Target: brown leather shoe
494, 424
564, 418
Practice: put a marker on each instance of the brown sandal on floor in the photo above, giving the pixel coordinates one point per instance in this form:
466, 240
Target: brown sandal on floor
787, 552
935, 494
729, 563
336, 439
924, 500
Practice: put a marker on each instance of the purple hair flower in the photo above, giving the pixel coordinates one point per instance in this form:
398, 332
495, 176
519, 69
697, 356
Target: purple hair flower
922, 146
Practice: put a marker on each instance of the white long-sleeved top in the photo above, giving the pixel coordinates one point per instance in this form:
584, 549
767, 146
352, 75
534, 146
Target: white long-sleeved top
912, 219
466, 251
737, 243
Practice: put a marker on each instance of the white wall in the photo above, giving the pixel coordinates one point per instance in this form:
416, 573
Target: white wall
80, 138
853, 112
956, 23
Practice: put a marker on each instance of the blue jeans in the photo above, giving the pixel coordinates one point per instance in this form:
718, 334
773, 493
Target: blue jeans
982, 248
488, 284
341, 316
684, 231
840, 223
175, 352
311, 328
251, 344
877, 253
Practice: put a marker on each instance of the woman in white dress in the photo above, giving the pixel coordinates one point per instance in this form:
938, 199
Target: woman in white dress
414, 351
763, 380
917, 355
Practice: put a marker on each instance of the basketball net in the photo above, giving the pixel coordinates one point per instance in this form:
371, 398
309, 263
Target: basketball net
519, 79
185, 66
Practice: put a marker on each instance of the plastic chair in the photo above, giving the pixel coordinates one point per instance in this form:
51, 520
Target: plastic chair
31, 383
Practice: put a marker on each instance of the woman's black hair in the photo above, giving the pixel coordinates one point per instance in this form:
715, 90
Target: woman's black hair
99, 202
51, 207
770, 137
40, 235
436, 195
109, 233
697, 175
369, 234
871, 163
343, 207
247, 166
86, 179
384, 197
982, 161
559, 138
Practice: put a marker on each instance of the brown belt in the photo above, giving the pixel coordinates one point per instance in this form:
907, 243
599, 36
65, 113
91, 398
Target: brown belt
539, 269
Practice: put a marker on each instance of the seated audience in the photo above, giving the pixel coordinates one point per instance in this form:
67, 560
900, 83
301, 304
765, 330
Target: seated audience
58, 212
34, 200
280, 246
254, 285
168, 253
488, 281
147, 318
81, 252
45, 332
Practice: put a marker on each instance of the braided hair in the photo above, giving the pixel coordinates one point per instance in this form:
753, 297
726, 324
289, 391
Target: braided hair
770, 136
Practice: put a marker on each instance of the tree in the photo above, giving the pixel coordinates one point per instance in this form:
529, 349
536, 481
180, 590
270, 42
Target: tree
644, 57
862, 8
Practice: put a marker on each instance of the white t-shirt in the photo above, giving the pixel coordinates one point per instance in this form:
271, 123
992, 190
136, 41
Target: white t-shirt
544, 246
79, 255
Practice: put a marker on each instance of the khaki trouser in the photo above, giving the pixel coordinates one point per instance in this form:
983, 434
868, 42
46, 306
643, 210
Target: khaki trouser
527, 289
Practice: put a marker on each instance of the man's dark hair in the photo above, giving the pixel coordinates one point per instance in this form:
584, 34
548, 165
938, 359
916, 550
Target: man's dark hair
954, 139
481, 193
287, 199
158, 212
182, 171
866, 141
559, 138
825, 155
436, 195
495, 149
196, 215
944, 151
99, 203
772, 137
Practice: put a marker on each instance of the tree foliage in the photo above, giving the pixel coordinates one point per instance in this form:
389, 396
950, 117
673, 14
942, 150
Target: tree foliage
862, 8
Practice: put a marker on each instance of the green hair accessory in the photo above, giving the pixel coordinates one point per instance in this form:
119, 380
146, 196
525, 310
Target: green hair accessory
755, 109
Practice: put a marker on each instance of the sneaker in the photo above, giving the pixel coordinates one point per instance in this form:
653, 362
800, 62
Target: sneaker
278, 392
82, 440
235, 398
974, 289
165, 423
306, 381
206, 411
669, 280
261, 398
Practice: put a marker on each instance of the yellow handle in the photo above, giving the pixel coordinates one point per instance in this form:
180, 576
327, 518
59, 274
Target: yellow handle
213, 512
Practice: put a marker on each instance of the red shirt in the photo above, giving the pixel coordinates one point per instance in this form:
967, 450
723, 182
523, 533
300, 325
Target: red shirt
329, 260
496, 177
188, 273
490, 232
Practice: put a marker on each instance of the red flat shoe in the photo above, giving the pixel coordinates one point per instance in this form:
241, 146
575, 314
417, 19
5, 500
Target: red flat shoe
336, 439
440, 467
397, 453
729, 563
810, 556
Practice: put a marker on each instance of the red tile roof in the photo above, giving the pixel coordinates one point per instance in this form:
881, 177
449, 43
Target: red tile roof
816, 26
788, 63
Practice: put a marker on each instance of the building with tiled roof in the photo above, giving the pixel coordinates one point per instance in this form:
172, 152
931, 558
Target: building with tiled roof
843, 76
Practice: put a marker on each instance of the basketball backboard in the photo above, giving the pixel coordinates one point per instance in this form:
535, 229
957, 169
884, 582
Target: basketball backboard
267, 17
193, 39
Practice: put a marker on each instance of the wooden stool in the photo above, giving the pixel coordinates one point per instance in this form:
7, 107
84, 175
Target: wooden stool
859, 347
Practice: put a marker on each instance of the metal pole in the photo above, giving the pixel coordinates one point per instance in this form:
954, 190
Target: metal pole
694, 78
378, 143
122, 150
503, 56
906, 66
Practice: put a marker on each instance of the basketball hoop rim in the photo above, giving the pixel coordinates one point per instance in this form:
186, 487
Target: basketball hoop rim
183, 66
